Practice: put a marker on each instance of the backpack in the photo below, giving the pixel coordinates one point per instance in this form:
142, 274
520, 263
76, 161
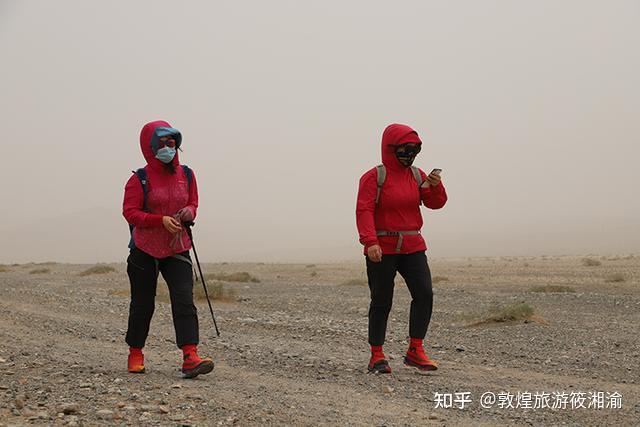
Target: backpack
382, 175
142, 177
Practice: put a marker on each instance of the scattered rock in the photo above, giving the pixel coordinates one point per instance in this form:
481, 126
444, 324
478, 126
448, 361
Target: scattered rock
71, 408
105, 414
18, 403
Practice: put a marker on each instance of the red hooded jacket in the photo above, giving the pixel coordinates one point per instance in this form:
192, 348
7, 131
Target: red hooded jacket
167, 194
398, 208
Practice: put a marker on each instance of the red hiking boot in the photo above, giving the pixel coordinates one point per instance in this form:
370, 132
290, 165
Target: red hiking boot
135, 363
378, 363
417, 358
193, 365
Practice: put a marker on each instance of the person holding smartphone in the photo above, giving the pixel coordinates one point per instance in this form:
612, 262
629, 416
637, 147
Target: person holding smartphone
389, 223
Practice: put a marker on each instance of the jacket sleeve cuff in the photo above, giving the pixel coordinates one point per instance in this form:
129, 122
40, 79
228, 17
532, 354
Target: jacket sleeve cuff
154, 220
370, 242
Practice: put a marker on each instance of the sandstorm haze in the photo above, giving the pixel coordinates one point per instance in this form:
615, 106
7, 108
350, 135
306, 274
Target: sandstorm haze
531, 109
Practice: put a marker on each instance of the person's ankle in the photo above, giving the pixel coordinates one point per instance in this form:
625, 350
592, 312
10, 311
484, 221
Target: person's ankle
415, 343
190, 348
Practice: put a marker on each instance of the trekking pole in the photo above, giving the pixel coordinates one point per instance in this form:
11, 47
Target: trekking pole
188, 226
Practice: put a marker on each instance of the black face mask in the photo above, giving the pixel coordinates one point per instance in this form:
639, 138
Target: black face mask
406, 153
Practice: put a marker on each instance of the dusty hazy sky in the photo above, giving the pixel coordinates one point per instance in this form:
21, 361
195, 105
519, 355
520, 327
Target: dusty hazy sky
531, 108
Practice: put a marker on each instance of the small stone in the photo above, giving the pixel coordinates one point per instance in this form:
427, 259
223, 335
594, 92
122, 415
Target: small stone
85, 385
71, 408
460, 348
163, 409
176, 386
148, 408
18, 403
177, 417
117, 380
4, 360
433, 417
121, 405
387, 389
105, 414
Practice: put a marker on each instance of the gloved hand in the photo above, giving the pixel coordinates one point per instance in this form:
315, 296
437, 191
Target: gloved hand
184, 215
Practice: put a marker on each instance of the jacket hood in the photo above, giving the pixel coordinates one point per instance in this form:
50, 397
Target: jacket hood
396, 134
149, 141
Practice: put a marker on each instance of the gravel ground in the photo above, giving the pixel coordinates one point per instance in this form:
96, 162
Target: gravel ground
293, 348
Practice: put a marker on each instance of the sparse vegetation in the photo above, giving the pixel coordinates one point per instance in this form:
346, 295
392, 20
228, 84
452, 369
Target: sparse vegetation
552, 289
310, 266
590, 262
216, 290
355, 282
314, 273
98, 269
4, 269
615, 278
439, 279
504, 313
40, 271
241, 276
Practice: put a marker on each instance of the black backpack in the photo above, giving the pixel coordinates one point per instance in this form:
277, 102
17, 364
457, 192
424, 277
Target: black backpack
142, 177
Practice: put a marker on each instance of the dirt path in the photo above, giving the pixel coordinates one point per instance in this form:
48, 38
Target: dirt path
293, 349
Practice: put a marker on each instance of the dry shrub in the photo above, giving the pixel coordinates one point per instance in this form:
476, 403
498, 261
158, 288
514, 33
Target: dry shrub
314, 273
216, 291
615, 278
4, 269
241, 276
310, 266
98, 269
552, 289
355, 282
505, 313
439, 279
590, 262
40, 271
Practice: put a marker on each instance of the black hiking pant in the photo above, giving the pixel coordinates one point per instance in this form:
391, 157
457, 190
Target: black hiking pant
415, 271
143, 271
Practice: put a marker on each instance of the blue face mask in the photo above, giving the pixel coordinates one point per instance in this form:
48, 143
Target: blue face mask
166, 154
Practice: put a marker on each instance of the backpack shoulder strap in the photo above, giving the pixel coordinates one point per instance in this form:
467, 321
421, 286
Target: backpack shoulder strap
417, 175
142, 177
189, 173
382, 175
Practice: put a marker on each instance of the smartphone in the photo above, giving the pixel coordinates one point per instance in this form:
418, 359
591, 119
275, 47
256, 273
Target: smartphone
436, 171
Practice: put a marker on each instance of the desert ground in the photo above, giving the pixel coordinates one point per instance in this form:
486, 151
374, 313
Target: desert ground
293, 348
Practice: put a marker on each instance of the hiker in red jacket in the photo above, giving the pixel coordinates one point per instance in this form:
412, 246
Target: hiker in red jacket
157, 200
389, 222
